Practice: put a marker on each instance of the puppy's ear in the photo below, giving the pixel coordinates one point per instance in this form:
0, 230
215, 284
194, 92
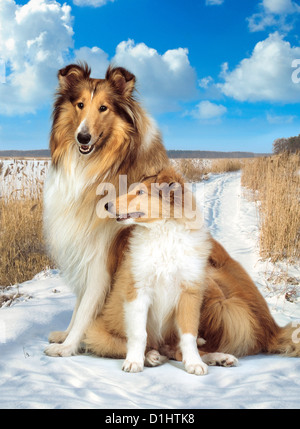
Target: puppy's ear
170, 176
175, 187
121, 80
72, 74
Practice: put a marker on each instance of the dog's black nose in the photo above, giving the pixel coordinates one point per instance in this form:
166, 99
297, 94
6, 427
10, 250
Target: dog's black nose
84, 138
108, 206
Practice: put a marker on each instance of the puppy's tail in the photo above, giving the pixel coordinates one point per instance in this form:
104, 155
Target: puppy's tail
287, 341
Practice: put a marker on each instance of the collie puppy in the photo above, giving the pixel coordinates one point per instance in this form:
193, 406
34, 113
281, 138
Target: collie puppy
159, 280
99, 132
174, 286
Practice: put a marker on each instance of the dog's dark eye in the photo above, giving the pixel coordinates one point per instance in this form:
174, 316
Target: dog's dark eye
80, 105
140, 192
102, 108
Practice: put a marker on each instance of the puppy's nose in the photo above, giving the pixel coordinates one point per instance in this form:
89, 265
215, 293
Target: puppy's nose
108, 206
84, 138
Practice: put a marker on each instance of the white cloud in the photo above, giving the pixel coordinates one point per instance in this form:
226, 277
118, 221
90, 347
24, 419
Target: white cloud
266, 75
207, 110
96, 58
280, 119
280, 14
34, 40
205, 82
94, 3
279, 6
163, 80
209, 87
213, 2
260, 21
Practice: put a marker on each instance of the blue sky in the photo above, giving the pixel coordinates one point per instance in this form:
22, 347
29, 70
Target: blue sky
215, 74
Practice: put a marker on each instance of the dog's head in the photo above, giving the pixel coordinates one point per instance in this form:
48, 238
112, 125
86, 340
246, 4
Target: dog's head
88, 111
156, 198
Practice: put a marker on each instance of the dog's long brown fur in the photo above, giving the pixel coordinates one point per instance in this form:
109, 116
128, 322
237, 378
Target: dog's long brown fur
234, 317
163, 303
123, 141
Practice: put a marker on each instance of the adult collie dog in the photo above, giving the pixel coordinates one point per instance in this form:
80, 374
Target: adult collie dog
99, 133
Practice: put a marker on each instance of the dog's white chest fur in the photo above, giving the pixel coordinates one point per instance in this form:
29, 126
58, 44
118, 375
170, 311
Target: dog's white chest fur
165, 258
80, 250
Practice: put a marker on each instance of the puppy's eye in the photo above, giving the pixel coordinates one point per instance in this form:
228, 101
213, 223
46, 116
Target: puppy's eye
140, 192
102, 108
80, 105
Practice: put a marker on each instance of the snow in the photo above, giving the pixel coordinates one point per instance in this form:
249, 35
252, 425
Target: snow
22, 176
30, 379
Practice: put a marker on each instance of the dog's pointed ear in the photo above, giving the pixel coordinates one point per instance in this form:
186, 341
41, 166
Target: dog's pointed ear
174, 186
121, 79
171, 177
73, 73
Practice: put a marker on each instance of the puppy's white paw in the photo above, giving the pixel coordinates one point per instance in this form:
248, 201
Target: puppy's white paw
60, 350
130, 366
220, 359
154, 358
197, 368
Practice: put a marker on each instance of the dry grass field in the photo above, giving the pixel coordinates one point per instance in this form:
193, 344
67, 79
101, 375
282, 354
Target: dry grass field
195, 170
275, 182
21, 247
22, 250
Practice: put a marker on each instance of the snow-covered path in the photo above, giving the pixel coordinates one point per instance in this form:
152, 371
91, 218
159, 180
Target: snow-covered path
30, 379
231, 222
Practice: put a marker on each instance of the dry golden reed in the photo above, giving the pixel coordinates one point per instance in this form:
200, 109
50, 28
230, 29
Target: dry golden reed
22, 252
225, 165
21, 247
191, 171
276, 182
195, 170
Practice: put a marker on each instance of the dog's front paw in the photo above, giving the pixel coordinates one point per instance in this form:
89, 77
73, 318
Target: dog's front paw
154, 358
61, 350
130, 366
57, 336
197, 368
220, 359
